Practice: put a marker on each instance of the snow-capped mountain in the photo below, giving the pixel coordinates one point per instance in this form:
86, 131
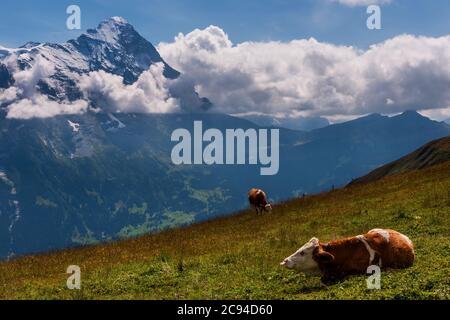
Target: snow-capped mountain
114, 47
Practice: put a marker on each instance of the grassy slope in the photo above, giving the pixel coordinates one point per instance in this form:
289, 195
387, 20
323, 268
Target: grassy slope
238, 256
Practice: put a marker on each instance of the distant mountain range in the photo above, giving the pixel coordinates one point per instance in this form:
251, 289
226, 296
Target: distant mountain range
294, 123
433, 153
72, 180
79, 179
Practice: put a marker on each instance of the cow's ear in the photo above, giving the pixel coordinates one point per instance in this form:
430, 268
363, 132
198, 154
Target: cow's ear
314, 241
324, 256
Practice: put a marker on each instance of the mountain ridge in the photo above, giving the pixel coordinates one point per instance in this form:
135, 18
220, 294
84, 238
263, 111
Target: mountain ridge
433, 153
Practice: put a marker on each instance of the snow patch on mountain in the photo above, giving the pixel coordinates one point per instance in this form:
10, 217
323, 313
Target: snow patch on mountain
109, 30
75, 126
16, 214
4, 178
14, 220
120, 125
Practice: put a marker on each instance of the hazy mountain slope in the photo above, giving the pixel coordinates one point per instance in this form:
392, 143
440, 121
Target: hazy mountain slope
72, 180
432, 153
105, 179
336, 154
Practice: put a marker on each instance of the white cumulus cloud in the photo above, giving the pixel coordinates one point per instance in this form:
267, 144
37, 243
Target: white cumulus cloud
8, 95
311, 78
26, 102
149, 94
41, 107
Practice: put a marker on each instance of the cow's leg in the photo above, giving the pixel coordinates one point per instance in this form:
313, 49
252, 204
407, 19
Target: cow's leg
330, 279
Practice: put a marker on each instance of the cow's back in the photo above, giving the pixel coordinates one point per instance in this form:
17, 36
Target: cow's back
395, 250
257, 197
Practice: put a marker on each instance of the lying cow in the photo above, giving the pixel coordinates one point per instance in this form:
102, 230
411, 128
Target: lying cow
258, 201
337, 259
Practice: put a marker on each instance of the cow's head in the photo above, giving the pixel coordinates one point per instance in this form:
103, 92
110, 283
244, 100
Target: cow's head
307, 258
268, 207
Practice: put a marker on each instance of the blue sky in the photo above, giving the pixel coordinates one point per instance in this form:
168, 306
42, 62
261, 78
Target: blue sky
249, 20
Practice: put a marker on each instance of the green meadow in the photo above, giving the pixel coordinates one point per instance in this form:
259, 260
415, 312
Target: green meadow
237, 257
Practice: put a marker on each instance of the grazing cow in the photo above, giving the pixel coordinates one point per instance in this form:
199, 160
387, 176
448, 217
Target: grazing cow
337, 259
258, 201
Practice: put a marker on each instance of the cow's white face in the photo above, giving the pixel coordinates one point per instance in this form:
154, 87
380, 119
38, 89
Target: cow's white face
303, 260
268, 208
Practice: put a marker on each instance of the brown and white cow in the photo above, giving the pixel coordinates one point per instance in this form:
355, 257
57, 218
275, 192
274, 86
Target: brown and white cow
337, 259
258, 201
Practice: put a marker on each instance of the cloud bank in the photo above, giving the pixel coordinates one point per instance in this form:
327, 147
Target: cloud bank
300, 78
41, 107
149, 94
310, 78
27, 102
